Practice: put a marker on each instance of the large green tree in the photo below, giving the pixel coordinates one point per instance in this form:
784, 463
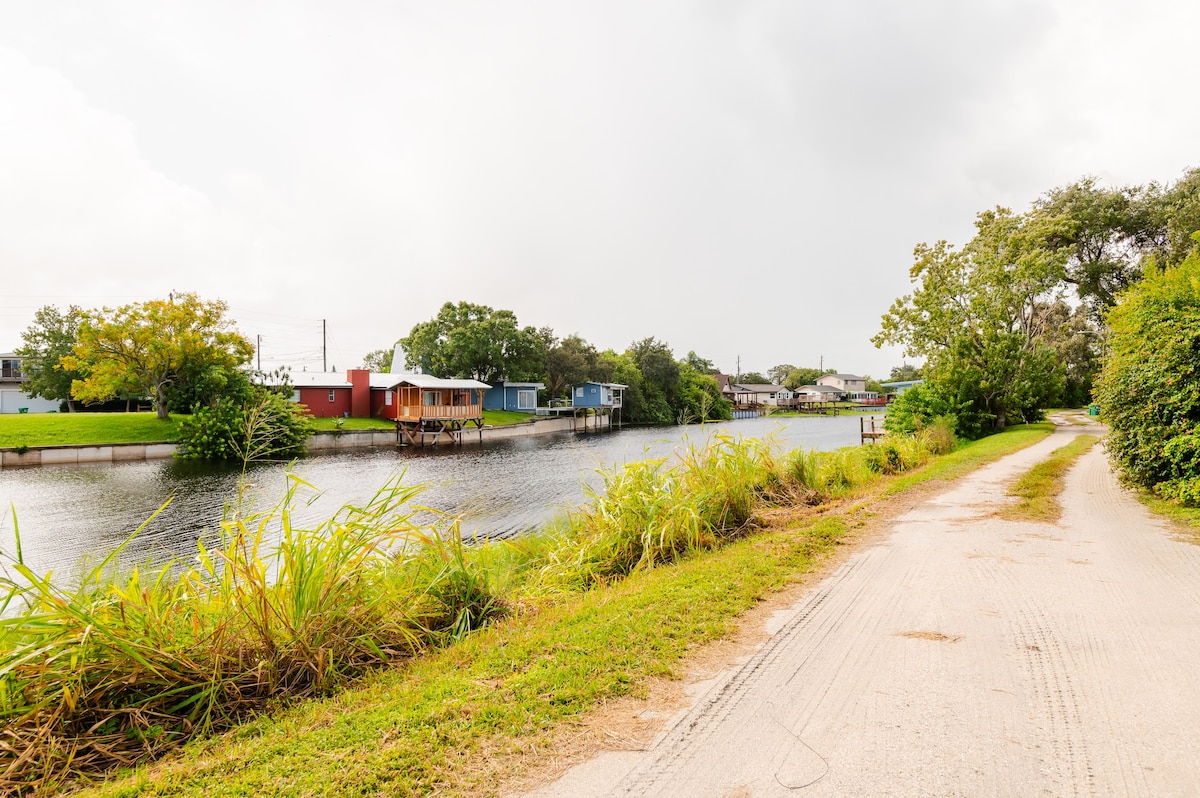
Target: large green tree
1105, 233
800, 375
570, 361
700, 397
44, 343
973, 317
379, 360
1149, 387
475, 342
145, 346
904, 373
660, 379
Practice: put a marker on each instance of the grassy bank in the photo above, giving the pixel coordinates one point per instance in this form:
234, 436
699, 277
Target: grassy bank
1038, 489
615, 595
85, 429
91, 429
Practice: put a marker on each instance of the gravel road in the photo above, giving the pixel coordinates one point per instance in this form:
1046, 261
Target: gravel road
962, 655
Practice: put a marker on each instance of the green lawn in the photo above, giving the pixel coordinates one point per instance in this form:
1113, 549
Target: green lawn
85, 429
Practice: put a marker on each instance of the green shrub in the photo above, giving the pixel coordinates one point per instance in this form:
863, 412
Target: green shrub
1149, 386
261, 425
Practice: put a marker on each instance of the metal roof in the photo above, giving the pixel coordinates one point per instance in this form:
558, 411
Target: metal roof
306, 379
389, 381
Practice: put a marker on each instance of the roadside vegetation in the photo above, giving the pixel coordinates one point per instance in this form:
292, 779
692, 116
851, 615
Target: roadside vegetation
1149, 387
1038, 489
124, 666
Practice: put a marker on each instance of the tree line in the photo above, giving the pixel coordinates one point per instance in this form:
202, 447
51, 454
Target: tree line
466, 340
1015, 320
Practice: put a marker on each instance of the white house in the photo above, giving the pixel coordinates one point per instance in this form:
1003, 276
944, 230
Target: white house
12, 398
845, 383
818, 393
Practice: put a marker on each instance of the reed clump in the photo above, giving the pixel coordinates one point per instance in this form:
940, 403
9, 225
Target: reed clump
655, 511
122, 667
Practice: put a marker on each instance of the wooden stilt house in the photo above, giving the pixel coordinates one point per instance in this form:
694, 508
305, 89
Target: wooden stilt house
427, 408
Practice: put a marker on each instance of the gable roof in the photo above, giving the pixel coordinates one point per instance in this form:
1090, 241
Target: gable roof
304, 379
758, 387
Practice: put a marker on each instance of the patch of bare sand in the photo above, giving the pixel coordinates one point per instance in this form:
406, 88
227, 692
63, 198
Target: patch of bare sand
631, 724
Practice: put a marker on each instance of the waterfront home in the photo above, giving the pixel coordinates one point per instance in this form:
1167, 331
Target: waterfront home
601, 395
326, 394
518, 396
806, 394
846, 384
13, 398
760, 393
900, 386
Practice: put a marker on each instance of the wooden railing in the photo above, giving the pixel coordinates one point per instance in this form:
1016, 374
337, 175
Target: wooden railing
439, 412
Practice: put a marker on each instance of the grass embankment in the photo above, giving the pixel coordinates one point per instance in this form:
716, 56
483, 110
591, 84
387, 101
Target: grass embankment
85, 429
93, 429
577, 631
494, 418
1038, 489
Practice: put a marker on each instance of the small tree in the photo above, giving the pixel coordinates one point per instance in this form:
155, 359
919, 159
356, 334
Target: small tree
51, 337
146, 346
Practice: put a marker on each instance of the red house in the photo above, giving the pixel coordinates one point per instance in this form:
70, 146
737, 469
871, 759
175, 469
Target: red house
324, 394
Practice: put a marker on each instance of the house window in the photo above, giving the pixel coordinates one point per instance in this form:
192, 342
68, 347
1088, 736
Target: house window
387, 398
332, 396
431, 398
579, 392
526, 399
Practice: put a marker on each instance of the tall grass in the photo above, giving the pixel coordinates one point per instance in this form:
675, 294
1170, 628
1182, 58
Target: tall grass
656, 511
123, 666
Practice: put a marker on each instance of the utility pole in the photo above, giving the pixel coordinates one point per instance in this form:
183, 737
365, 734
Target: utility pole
324, 351
822, 366
259, 350
738, 374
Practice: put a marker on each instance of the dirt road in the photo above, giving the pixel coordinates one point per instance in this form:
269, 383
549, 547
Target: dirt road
962, 655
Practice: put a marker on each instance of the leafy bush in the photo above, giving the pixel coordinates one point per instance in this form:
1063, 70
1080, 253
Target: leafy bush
264, 425
926, 405
1150, 384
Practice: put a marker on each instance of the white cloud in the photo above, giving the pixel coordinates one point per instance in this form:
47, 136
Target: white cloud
733, 178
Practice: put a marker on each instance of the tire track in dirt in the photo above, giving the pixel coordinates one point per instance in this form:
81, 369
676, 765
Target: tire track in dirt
964, 655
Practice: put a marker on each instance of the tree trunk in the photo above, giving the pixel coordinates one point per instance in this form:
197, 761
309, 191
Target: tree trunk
160, 403
70, 405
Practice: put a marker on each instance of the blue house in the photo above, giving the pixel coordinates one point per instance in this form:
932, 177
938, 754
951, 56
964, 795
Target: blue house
598, 394
519, 396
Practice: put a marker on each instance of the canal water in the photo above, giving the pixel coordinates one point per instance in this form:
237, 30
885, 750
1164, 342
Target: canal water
70, 515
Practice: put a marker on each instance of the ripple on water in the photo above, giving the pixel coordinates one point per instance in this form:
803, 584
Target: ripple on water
498, 489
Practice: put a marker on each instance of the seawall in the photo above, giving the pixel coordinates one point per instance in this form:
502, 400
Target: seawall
321, 442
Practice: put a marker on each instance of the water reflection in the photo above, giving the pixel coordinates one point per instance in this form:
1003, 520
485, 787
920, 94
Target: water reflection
499, 489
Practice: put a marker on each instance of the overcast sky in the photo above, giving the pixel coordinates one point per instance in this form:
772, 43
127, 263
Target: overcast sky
739, 179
